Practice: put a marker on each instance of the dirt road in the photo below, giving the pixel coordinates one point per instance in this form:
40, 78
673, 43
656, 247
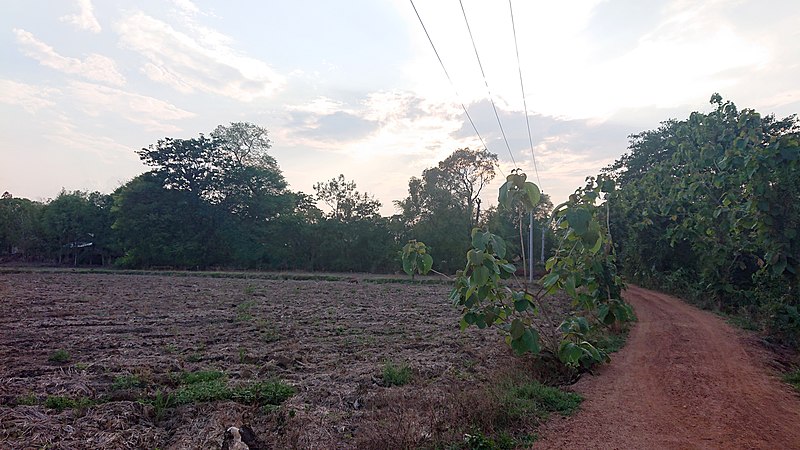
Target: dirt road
685, 380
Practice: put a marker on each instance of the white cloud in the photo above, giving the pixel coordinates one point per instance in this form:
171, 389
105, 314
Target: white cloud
94, 67
84, 19
694, 49
30, 98
186, 6
201, 61
153, 113
65, 133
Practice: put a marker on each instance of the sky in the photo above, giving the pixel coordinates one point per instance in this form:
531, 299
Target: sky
354, 87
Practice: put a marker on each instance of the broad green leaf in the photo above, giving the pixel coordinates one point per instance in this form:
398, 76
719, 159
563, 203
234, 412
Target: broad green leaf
569, 353
498, 245
521, 305
533, 194
503, 197
578, 219
427, 264
550, 280
479, 239
480, 275
517, 329
569, 286
408, 266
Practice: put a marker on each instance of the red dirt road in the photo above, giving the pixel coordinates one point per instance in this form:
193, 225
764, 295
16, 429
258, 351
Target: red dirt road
685, 380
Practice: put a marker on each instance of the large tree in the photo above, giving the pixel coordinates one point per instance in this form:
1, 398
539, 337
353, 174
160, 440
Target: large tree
20, 227
709, 207
352, 236
345, 202
441, 204
79, 224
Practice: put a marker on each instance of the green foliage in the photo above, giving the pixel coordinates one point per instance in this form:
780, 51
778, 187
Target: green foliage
793, 378
160, 402
396, 374
517, 190
27, 400
123, 382
583, 267
202, 376
243, 311
61, 403
415, 258
263, 393
345, 202
59, 356
215, 389
722, 231
21, 227
441, 204
202, 391
535, 399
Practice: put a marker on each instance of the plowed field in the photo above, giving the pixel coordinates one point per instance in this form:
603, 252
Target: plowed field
328, 339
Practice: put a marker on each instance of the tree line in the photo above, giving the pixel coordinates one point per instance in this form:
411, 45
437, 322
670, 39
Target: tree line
709, 208
221, 201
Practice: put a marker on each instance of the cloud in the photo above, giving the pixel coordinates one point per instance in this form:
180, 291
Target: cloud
94, 67
84, 19
186, 6
202, 60
154, 114
65, 133
371, 126
30, 98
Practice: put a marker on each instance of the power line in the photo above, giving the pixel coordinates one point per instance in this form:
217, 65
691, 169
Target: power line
496, 115
524, 101
454, 86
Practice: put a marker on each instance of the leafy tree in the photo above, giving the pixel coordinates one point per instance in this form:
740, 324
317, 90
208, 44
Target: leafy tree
79, 224
352, 236
192, 165
708, 208
345, 202
440, 207
245, 144
415, 258
21, 227
251, 183
583, 267
236, 192
167, 227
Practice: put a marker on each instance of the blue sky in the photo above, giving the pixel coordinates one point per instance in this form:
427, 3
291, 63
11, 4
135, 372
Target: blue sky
353, 87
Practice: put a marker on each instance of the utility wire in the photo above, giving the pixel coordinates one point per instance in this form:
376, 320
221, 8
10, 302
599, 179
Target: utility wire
454, 86
524, 101
496, 115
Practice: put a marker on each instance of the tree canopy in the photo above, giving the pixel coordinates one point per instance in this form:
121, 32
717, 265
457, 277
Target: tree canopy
709, 207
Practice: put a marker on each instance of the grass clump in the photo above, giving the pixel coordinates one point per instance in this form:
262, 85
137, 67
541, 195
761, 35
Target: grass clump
60, 403
793, 378
533, 399
243, 313
258, 393
396, 374
211, 385
202, 391
201, 376
59, 356
26, 400
125, 382
263, 393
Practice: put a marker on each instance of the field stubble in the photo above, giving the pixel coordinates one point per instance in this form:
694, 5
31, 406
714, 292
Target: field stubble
131, 338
